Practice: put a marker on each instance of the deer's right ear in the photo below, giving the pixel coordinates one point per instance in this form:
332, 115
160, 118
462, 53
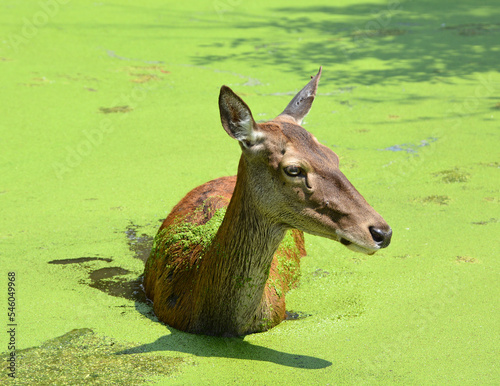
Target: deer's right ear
236, 118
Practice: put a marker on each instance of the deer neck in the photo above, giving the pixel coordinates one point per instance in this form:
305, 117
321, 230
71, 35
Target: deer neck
238, 262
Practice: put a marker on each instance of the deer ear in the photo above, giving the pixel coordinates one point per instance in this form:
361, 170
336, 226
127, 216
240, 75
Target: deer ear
236, 118
302, 102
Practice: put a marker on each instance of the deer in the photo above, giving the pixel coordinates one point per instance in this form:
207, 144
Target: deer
228, 252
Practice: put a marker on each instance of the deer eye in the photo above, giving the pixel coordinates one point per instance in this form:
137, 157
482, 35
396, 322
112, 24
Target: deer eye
293, 171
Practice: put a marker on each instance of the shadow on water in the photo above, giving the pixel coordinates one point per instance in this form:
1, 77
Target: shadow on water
233, 348
417, 40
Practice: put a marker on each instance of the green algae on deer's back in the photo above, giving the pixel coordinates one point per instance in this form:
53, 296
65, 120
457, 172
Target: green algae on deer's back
188, 234
182, 235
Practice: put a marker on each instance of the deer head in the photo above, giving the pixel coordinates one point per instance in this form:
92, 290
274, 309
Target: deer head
295, 181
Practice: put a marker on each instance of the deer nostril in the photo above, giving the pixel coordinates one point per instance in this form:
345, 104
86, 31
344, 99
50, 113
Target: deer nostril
381, 238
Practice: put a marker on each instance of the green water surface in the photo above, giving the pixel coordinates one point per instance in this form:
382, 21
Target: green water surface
109, 116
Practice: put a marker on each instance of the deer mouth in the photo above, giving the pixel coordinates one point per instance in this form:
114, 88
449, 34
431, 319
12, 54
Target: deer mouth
356, 247
345, 241
352, 245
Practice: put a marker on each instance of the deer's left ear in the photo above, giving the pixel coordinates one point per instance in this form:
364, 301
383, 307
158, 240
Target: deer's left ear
236, 118
302, 102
